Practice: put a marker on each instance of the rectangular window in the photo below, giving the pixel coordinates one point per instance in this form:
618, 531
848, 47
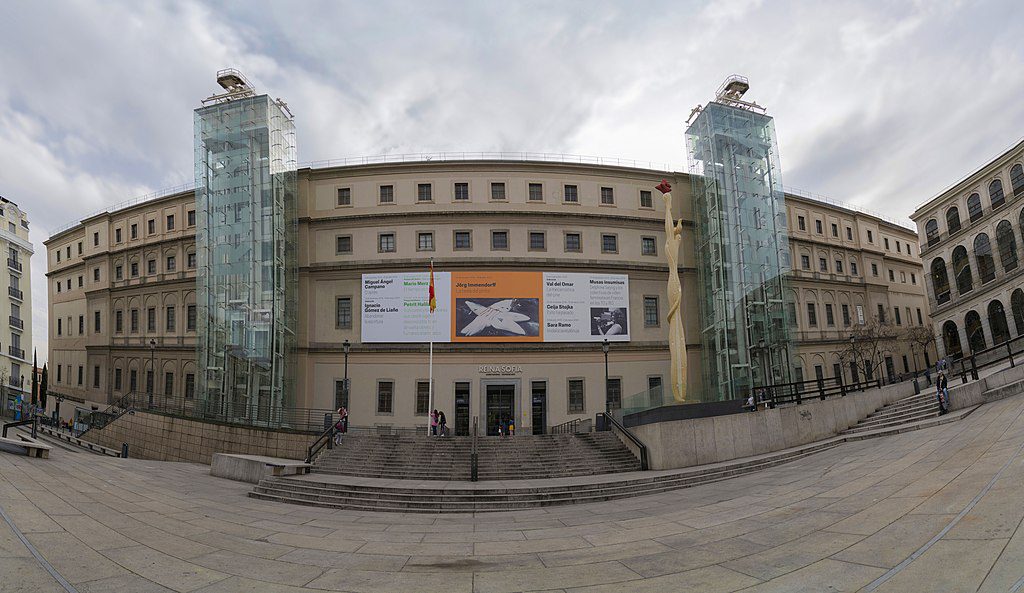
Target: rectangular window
151, 266
812, 315
134, 231
59, 367
801, 223
81, 325
896, 315
646, 200
885, 240
118, 321
79, 248
577, 399
60, 327
648, 246
172, 263
385, 396
860, 315
461, 192
849, 234
425, 241
913, 278
536, 192
135, 269
499, 240
654, 386
829, 318
117, 379
191, 261
424, 192
133, 321
170, 222
607, 196
910, 320
96, 275
609, 244
81, 282
881, 313
95, 377
191, 218
422, 398
343, 244
822, 264
190, 316
387, 194
344, 196
573, 243
58, 255
846, 315
343, 317
805, 262
95, 239
817, 227
151, 226
149, 382
835, 230
899, 247
570, 194
386, 243
168, 383
537, 241
871, 237
903, 277
463, 240
190, 386
151, 320
853, 268
839, 266
96, 322
651, 311
892, 276
497, 191
874, 270
340, 394
170, 321
81, 373
920, 320
117, 235
615, 394
133, 380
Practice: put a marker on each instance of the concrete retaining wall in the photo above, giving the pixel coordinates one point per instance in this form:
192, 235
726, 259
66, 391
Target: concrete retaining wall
697, 441
167, 438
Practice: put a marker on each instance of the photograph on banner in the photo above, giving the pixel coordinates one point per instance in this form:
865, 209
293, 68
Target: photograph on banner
396, 308
586, 307
497, 307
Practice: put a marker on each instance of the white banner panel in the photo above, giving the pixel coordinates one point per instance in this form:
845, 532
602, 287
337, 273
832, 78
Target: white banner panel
396, 308
586, 307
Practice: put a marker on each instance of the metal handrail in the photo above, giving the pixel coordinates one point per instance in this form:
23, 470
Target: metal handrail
645, 463
797, 391
566, 427
317, 445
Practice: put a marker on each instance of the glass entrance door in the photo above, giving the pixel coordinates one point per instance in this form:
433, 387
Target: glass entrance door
462, 409
539, 395
500, 407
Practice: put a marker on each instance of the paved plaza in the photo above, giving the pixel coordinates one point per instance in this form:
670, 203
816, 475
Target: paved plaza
936, 510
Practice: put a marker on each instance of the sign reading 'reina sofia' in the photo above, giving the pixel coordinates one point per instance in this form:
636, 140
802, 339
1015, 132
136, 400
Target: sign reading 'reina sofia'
496, 307
500, 369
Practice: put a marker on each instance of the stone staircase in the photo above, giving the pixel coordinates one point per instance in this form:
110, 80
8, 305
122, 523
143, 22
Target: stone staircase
448, 458
355, 494
907, 410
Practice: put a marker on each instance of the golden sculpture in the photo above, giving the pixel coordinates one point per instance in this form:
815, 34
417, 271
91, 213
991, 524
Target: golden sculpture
676, 336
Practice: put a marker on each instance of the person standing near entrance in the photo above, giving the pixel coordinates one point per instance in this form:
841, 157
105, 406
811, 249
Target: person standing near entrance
942, 393
442, 423
433, 423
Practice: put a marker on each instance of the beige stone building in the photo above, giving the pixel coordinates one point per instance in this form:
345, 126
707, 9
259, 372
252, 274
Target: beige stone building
127, 292
16, 370
970, 236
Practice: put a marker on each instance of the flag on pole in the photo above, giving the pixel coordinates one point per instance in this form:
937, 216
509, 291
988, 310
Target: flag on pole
433, 301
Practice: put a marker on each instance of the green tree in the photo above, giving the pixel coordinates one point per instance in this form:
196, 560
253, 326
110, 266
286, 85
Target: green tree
43, 387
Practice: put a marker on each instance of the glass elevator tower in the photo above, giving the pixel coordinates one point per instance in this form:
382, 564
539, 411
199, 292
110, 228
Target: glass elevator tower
245, 168
742, 245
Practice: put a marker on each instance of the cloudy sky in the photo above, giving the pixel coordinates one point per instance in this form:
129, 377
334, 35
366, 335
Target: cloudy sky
880, 104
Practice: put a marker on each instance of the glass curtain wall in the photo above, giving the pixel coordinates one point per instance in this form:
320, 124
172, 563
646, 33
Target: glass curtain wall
245, 167
742, 251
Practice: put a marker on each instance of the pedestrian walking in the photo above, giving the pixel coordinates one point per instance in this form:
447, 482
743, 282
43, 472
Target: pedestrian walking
942, 393
442, 423
433, 423
341, 426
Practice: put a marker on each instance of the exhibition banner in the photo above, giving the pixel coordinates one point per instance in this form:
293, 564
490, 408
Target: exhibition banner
496, 307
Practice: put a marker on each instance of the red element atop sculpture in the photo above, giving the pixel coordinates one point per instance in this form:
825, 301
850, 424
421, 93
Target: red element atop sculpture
664, 187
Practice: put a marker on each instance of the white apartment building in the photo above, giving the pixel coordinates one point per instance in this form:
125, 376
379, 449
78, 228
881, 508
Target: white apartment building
16, 369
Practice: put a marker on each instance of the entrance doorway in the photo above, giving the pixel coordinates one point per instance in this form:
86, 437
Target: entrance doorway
462, 409
500, 406
539, 395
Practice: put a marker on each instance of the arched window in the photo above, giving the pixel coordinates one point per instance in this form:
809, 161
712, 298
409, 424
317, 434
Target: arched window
953, 220
1020, 223
983, 255
1007, 244
995, 193
1017, 308
975, 334
1017, 179
962, 270
940, 280
997, 323
931, 232
974, 207
951, 340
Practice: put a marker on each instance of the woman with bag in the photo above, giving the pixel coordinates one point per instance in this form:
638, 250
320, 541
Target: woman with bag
942, 393
341, 426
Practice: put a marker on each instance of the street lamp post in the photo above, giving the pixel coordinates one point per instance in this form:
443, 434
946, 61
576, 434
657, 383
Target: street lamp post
344, 387
605, 347
152, 371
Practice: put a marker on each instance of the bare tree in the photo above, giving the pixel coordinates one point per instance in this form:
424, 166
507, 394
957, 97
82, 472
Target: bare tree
869, 344
920, 337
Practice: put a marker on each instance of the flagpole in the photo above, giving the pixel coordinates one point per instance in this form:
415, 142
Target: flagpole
430, 373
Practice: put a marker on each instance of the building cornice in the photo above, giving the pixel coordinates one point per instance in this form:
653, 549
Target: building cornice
979, 175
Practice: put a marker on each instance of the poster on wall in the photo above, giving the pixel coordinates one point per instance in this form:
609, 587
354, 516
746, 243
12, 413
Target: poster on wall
496, 307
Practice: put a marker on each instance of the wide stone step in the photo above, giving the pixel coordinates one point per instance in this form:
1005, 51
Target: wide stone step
901, 417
